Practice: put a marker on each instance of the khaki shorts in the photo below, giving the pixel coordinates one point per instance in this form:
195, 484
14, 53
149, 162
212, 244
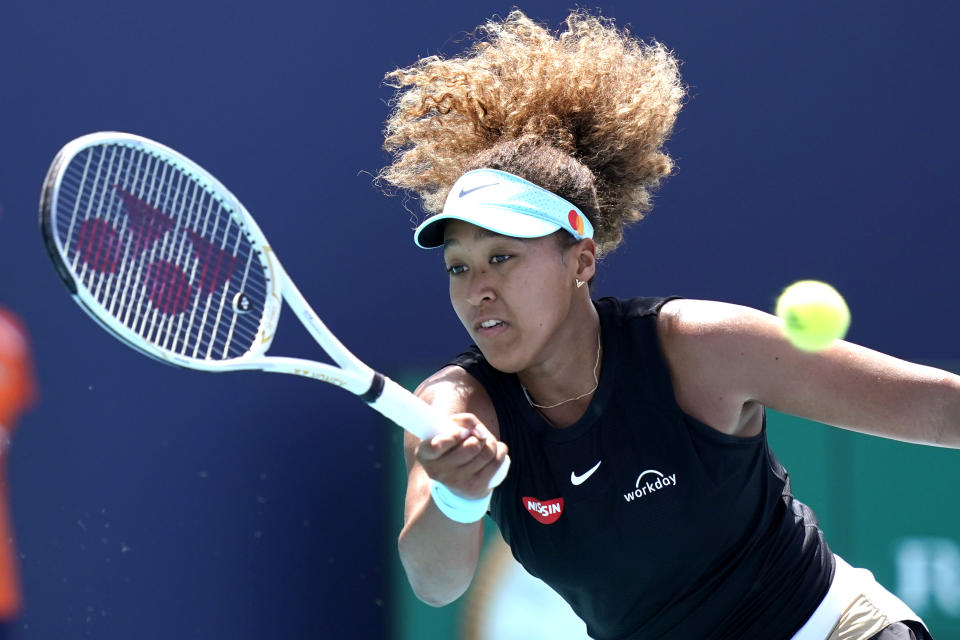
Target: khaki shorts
856, 607
864, 620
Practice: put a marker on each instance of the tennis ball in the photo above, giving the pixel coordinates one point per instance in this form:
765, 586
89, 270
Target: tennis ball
814, 314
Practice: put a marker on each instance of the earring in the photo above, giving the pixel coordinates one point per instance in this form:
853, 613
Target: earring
580, 283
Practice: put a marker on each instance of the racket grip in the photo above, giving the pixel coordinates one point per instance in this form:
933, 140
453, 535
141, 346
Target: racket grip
420, 419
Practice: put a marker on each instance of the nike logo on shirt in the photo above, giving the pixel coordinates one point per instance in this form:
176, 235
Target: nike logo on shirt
576, 480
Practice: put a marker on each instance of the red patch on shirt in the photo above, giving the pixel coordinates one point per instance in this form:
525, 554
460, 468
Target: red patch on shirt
544, 511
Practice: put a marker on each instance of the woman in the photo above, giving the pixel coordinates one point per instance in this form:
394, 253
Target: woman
641, 487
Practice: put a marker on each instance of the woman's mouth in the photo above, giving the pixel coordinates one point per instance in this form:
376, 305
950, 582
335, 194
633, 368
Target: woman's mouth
491, 327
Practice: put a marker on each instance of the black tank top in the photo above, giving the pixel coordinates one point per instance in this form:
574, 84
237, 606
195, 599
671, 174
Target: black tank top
649, 523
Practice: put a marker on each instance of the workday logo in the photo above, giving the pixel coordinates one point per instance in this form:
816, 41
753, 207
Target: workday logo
650, 481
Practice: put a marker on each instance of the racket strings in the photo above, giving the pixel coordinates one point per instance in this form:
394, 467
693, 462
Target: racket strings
160, 252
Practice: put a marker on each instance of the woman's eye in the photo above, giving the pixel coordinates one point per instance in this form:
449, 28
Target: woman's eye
455, 269
499, 259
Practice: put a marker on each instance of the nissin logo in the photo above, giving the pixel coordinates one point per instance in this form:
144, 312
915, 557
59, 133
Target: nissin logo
544, 511
650, 481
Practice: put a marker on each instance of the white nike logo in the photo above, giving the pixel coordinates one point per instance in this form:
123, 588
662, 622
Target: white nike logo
578, 480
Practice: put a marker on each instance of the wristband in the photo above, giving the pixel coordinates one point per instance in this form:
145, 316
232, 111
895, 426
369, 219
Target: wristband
462, 510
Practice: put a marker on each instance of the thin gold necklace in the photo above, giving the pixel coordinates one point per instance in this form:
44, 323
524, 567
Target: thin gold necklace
596, 383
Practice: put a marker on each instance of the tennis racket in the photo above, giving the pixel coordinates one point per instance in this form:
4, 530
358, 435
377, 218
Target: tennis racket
165, 258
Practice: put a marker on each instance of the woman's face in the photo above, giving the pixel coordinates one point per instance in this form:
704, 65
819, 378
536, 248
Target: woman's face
511, 294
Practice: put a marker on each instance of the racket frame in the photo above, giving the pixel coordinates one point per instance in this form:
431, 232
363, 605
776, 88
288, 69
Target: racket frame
381, 393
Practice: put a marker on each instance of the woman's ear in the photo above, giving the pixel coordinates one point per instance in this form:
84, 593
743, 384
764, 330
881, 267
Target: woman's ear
585, 253
584, 256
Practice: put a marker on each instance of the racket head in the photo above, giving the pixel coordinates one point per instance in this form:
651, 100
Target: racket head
159, 252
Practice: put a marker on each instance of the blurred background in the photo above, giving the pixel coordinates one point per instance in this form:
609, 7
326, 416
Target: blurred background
819, 141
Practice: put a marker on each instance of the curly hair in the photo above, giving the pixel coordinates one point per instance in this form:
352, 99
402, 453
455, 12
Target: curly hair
584, 113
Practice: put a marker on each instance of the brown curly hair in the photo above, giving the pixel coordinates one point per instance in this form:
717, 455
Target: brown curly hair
583, 113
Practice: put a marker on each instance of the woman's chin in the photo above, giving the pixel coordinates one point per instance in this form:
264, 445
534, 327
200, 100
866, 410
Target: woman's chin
501, 361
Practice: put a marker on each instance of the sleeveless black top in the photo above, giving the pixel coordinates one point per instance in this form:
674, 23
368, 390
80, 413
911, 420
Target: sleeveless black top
649, 523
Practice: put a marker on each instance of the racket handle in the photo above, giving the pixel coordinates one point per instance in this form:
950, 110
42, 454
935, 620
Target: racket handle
420, 419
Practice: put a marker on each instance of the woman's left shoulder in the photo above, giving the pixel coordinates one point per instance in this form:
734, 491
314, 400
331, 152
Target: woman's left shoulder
702, 342
703, 336
685, 317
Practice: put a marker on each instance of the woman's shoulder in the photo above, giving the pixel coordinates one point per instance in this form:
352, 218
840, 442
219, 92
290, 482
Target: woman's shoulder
683, 317
703, 343
453, 389
690, 330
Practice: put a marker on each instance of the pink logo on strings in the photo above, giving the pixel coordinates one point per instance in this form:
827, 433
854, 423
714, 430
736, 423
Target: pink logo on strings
167, 287
99, 245
145, 222
215, 265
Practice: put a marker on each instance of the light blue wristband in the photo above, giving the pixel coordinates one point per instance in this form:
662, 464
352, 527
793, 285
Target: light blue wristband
462, 510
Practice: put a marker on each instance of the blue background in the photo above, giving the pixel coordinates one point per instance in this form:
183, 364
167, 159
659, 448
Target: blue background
819, 141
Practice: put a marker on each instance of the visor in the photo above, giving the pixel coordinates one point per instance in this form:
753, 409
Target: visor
506, 204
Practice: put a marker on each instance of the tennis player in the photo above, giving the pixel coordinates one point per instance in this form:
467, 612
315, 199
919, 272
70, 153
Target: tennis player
642, 488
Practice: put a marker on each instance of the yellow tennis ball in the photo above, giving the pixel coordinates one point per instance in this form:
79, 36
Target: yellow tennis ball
814, 314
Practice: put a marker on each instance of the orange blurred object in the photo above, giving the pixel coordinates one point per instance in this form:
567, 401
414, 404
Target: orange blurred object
18, 392
17, 384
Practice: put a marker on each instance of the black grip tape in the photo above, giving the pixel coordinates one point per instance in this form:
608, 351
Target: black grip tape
376, 388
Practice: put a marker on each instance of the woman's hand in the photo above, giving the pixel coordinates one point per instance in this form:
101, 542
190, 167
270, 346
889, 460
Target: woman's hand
464, 460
